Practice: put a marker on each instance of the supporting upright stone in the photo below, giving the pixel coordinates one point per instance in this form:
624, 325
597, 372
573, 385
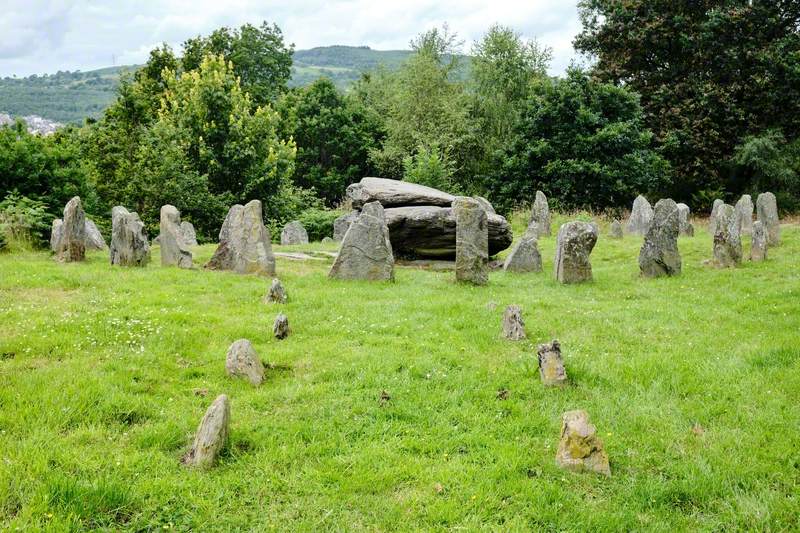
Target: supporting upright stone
513, 325
574, 244
525, 256
551, 364
727, 242
366, 251
294, 233
129, 245
72, 246
211, 436
486, 205
758, 245
767, 207
472, 241
580, 450
641, 216
684, 224
712, 220
242, 361
244, 242
541, 214
744, 211
659, 255
174, 251
615, 230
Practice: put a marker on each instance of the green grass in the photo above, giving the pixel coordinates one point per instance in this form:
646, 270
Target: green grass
99, 369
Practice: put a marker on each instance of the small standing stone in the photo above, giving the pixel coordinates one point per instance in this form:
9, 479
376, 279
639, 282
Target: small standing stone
72, 246
727, 242
641, 216
767, 208
366, 251
211, 436
551, 364
574, 244
129, 245
513, 325
244, 242
615, 231
276, 293
327, 240
712, 220
744, 211
472, 241
189, 233
525, 256
684, 225
242, 361
659, 255
580, 449
758, 246
540, 213
294, 233
56, 232
174, 251
281, 326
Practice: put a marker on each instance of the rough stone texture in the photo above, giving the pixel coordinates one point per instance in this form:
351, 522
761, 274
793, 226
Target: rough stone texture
242, 361
744, 212
574, 244
513, 325
72, 245
129, 245
174, 251
579, 449
395, 193
342, 224
294, 233
281, 326
684, 225
189, 234
659, 255
276, 293
767, 207
641, 216
244, 242
56, 232
327, 240
712, 220
94, 239
485, 205
366, 251
758, 246
551, 364
615, 231
540, 213
472, 241
727, 242
211, 435
525, 256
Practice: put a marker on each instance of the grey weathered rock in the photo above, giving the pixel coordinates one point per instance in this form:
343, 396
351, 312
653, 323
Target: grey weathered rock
551, 364
189, 234
727, 241
758, 245
641, 216
684, 225
294, 233
744, 212
659, 255
472, 241
485, 205
513, 325
94, 239
579, 448
574, 244
342, 224
281, 326
327, 240
242, 361
244, 242
615, 230
56, 232
211, 436
276, 293
767, 208
366, 251
129, 246
72, 244
174, 251
525, 256
712, 220
540, 213
395, 193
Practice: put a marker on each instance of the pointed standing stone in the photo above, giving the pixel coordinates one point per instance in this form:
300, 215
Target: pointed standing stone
211, 435
551, 364
513, 325
641, 216
525, 256
486, 205
659, 255
615, 230
712, 220
72, 246
294, 233
366, 251
244, 242
744, 211
767, 207
242, 361
189, 234
129, 245
174, 251
472, 241
281, 326
574, 244
94, 239
758, 246
276, 293
727, 242
540, 213
580, 449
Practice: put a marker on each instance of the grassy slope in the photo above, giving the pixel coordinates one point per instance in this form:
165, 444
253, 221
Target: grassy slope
99, 367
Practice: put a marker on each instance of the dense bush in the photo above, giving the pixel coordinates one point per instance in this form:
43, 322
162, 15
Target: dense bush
24, 223
318, 222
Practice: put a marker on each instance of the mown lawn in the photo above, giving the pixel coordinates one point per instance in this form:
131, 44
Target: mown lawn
693, 383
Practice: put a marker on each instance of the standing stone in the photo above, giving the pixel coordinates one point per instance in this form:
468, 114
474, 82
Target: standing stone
525, 256
472, 241
486, 205
574, 244
129, 245
727, 242
281, 326
767, 207
684, 225
366, 251
72, 246
211, 435
513, 325
744, 211
56, 232
189, 234
94, 239
244, 242
541, 214
174, 251
615, 231
579, 449
712, 220
327, 240
758, 246
342, 224
641, 216
294, 233
551, 364
276, 293
659, 255
242, 361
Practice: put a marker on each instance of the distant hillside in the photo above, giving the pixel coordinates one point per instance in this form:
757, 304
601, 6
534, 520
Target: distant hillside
73, 96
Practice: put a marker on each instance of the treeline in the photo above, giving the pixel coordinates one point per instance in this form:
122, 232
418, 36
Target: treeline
216, 123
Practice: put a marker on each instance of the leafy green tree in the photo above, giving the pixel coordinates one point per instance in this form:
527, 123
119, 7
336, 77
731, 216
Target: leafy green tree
767, 162
429, 167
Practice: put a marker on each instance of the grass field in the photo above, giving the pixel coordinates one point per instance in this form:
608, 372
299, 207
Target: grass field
693, 383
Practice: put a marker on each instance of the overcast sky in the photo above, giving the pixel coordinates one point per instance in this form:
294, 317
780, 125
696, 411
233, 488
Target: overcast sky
44, 36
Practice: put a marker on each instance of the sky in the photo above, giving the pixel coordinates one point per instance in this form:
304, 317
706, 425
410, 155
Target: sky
44, 36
